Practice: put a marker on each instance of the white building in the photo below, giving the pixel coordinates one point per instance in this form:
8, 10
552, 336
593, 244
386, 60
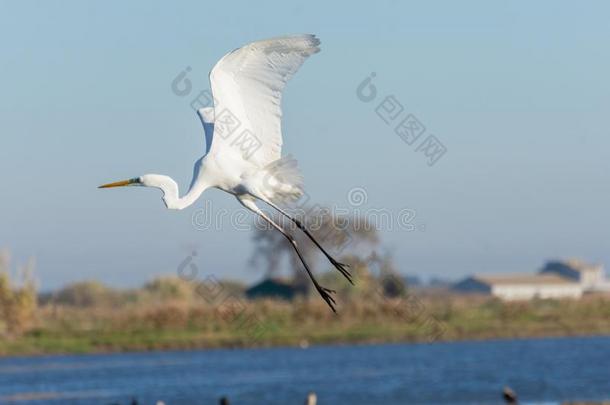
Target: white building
590, 276
521, 286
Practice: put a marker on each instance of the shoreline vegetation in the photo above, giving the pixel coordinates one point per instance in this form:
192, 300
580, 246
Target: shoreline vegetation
173, 314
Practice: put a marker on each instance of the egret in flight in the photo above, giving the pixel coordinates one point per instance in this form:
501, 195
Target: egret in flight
243, 136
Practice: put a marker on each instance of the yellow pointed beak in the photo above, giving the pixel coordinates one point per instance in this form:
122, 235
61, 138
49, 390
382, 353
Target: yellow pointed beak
121, 183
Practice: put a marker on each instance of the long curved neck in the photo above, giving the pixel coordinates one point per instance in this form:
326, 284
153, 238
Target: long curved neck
179, 203
171, 196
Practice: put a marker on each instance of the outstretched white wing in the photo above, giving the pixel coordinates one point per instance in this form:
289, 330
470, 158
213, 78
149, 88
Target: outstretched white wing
247, 87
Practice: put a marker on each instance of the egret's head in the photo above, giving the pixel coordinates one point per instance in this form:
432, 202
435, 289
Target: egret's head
147, 180
163, 183
136, 181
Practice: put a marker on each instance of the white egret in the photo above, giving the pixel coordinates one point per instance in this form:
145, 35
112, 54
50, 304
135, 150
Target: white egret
243, 137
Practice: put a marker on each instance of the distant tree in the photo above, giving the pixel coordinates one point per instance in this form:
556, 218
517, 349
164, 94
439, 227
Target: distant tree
390, 281
169, 288
87, 294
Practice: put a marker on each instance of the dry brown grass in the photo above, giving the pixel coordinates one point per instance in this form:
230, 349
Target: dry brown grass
18, 301
179, 324
166, 314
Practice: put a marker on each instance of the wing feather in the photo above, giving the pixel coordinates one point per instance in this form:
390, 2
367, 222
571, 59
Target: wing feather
247, 86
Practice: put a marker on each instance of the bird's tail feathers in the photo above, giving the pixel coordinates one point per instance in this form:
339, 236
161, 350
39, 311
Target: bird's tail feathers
283, 181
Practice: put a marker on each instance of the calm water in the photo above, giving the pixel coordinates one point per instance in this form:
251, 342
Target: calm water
541, 371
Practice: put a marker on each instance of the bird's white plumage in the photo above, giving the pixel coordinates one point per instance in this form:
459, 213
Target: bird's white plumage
247, 86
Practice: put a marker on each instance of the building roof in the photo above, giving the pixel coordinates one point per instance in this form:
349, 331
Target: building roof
274, 287
580, 266
511, 279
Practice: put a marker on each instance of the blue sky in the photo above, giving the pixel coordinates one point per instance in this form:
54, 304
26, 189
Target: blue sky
518, 93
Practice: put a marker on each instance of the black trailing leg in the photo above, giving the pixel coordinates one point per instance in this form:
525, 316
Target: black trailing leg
323, 291
342, 267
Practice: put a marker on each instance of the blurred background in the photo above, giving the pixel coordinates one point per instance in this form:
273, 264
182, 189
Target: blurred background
456, 155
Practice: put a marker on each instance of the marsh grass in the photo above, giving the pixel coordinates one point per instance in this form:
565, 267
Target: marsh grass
193, 323
18, 299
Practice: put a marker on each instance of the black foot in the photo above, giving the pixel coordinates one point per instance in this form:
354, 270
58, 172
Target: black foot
326, 295
342, 267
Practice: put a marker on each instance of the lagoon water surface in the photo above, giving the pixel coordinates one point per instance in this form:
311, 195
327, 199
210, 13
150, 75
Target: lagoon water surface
539, 370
